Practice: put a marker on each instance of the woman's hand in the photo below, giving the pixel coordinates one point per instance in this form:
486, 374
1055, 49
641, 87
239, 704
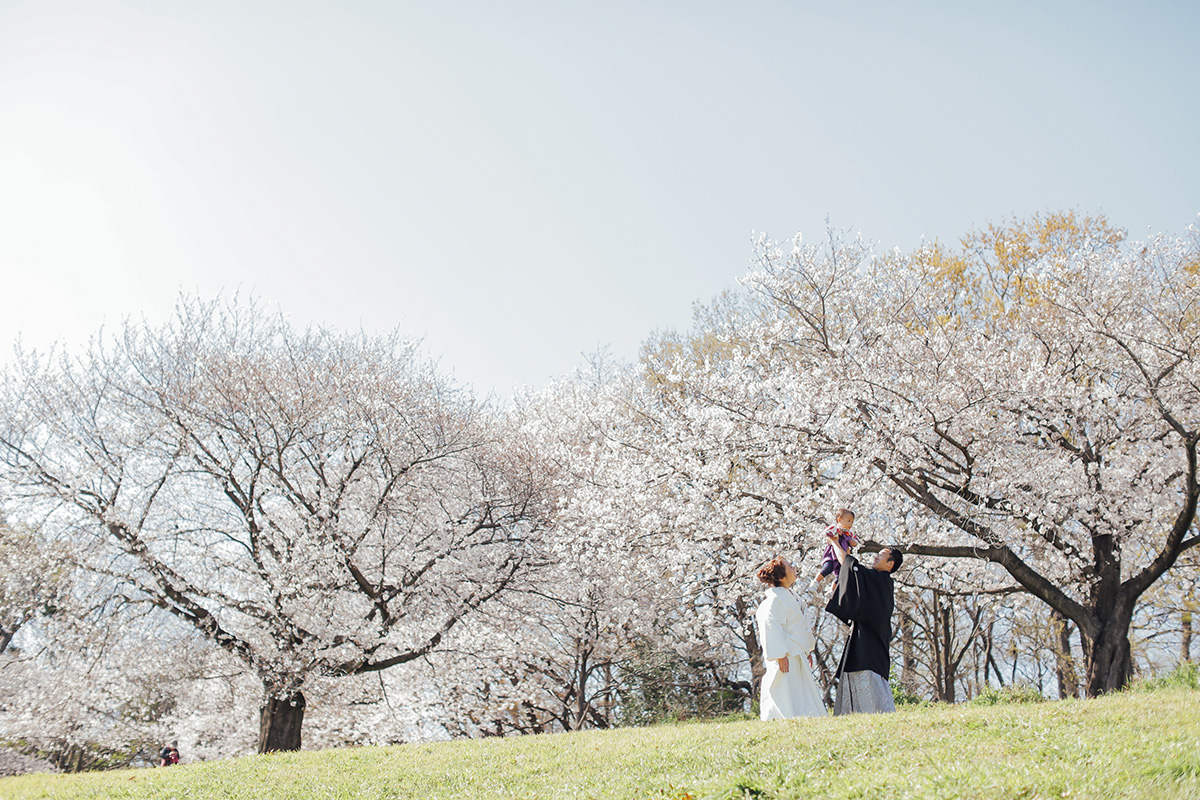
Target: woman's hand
783, 664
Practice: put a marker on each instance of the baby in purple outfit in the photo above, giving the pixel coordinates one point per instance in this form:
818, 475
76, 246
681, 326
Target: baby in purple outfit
839, 531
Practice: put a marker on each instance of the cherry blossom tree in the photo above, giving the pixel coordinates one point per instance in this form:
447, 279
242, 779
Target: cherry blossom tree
553, 654
657, 529
645, 607
1031, 401
316, 504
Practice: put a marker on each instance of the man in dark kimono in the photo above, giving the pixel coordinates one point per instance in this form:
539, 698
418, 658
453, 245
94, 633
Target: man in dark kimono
864, 600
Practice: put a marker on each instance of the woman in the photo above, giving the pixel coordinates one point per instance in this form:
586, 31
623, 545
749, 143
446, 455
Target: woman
785, 633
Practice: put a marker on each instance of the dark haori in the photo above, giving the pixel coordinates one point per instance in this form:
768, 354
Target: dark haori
864, 599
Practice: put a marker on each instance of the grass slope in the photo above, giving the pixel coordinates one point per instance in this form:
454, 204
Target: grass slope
1131, 745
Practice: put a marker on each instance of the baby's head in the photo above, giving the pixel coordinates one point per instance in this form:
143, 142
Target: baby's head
844, 518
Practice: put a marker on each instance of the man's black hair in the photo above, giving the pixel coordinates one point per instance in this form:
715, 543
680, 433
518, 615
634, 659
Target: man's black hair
897, 558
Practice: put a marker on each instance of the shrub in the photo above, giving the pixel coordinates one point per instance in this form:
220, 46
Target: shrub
1020, 693
1185, 676
907, 697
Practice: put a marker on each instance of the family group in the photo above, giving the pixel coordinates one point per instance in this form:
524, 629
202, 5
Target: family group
862, 597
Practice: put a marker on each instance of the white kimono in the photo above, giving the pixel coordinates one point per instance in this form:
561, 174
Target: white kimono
784, 629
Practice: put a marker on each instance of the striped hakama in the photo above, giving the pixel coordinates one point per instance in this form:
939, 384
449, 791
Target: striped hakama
863, 692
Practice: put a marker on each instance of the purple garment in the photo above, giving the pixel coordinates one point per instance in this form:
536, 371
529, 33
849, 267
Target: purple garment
829, 559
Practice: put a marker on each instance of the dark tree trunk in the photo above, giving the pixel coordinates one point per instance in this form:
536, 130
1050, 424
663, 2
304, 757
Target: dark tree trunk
280, 721
1110, 664
949, 669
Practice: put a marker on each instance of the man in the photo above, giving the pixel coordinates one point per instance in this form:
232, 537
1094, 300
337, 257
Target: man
864, 600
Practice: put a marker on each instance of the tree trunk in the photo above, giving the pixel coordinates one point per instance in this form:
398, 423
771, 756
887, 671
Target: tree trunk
1068, 683
908, 672
1110, 663
1185, 644
754, 650
581, 704
280, 721
609, 692
949, 669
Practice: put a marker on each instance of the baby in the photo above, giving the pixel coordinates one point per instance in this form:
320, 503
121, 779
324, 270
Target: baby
839, 532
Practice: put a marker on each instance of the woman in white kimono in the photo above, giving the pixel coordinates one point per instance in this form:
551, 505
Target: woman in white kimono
785, 634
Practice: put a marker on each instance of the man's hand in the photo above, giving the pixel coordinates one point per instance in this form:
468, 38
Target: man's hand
783, 664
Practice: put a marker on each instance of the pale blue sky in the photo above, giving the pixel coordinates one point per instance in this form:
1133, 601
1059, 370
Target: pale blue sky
520, 182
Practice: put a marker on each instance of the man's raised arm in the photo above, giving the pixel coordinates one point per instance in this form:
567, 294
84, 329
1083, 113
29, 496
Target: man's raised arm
838, 551
846, 599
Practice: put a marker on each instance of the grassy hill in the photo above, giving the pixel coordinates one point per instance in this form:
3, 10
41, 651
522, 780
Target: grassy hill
1142, 745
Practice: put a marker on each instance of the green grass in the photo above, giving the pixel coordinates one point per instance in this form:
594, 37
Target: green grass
1140, 745
1185, 676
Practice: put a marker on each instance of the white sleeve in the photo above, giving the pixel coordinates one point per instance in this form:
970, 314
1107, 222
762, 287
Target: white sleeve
775, 641
802, 631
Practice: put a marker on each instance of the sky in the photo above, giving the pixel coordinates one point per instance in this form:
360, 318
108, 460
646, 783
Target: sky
521, 183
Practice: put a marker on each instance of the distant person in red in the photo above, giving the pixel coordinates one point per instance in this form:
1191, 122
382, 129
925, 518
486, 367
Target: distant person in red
169, 755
